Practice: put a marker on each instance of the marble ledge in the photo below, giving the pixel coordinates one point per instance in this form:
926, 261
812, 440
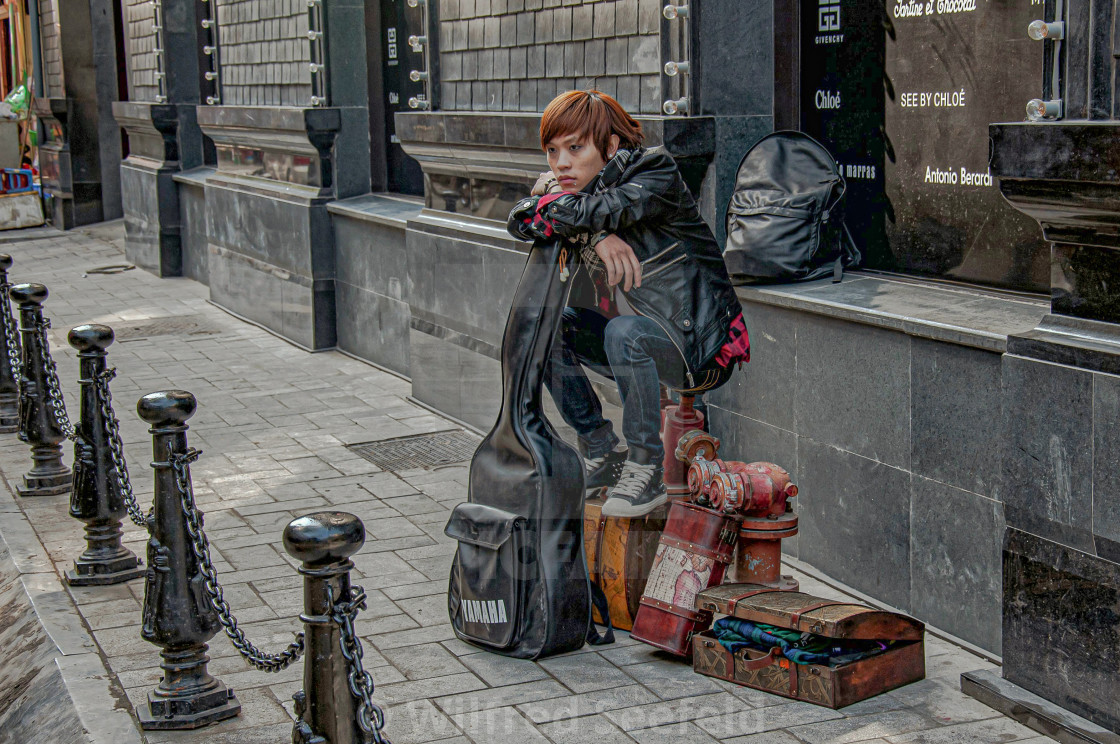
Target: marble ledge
956, 315
391, 210
195, 176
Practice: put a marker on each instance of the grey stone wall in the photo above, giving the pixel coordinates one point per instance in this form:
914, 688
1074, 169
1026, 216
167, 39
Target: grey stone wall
142, 85
51, 48
264, 52
516, 55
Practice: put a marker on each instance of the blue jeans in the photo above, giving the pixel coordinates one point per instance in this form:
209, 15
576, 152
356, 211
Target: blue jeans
633, 351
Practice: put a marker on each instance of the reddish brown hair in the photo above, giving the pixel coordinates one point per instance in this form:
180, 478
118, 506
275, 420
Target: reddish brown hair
589, 113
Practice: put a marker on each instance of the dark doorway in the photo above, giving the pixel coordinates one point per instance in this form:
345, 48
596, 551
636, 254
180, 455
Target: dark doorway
389, 23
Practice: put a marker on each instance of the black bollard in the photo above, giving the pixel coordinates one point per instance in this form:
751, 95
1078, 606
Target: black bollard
9, 355
178, 617
97, 497
39, 423
326, 708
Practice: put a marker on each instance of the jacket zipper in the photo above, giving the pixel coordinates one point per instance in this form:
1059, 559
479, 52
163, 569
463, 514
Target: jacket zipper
661, 253
659, 269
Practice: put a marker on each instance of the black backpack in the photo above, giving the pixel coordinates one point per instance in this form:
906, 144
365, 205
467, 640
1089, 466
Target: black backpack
783, 224
519, 584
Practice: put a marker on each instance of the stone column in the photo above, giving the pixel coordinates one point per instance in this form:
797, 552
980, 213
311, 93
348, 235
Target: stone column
164, 139
81, 147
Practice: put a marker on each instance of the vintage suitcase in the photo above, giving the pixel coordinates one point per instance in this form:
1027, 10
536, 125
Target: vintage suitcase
692, 555
822, 684
619, 556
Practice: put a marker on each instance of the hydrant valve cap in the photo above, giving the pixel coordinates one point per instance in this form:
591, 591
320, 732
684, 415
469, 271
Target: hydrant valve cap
167, 407
324, 537
28, 293
90, 336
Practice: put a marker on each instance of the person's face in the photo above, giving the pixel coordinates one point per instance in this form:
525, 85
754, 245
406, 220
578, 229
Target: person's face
575, 161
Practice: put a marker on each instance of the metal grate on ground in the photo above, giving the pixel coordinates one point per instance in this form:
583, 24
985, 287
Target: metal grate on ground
420, 451
181, 325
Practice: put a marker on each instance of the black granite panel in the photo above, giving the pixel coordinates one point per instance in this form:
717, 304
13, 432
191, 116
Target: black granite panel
192, 215
1083, 282
855, 520
480, 384
238, 286
373, 326
1048, 461
853, 389
955, 550
371, 256
736, 58
266, 228
141, 217
434, 368
462, 285
955, 417
747, 440
1106, 465
1061, 626
764, 388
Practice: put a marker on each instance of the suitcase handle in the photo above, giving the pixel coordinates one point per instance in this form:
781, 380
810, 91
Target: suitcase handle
753, 664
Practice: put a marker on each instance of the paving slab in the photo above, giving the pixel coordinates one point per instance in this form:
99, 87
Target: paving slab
273, 422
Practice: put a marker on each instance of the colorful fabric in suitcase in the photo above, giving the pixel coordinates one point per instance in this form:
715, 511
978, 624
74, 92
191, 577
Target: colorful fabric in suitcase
693, 555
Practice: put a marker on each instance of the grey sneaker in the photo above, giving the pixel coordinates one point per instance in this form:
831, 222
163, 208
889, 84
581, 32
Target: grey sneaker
640, 490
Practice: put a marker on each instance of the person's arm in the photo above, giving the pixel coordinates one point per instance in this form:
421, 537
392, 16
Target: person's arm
651, 193
521, 217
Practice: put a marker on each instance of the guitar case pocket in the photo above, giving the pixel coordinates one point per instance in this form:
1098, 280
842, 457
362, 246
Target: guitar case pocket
489, 573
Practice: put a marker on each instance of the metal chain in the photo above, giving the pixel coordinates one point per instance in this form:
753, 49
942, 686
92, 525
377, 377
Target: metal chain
371, 719
10, 335
54, 387
116, 448
200, 545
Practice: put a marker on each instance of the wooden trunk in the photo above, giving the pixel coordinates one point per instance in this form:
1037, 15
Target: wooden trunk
620, 553
821, 684
692, 555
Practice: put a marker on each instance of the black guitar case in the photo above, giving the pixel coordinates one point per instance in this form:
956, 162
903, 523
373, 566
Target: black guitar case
519, 584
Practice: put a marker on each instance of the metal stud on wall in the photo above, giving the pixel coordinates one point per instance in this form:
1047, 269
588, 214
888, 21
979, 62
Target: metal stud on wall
316, 36
420, 45
210, 49
676, 53
161, 66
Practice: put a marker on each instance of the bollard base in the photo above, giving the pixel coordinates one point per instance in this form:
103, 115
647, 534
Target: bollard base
103, 573
45, 485
169, 714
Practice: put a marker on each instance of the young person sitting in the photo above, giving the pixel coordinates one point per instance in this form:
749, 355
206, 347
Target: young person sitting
650, 301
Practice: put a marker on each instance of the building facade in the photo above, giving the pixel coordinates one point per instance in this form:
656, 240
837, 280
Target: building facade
340, 171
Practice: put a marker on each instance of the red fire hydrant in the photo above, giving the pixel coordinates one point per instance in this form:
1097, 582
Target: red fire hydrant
760, 491
678, 422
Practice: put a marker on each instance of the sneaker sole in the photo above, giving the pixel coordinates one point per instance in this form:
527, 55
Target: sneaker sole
622, 508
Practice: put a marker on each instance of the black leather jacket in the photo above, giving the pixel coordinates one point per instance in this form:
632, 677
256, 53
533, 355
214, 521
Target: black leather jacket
641, 197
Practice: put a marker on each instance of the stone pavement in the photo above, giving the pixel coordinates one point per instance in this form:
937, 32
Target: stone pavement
273, 421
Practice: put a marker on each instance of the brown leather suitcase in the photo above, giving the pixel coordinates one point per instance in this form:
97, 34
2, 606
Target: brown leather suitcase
692, 555
620, 554
821, 684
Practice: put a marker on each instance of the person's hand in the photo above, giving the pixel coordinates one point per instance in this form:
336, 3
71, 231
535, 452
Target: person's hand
622, 265
545, 184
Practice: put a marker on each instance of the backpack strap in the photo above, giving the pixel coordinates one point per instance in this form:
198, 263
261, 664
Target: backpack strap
600, 601
849, 254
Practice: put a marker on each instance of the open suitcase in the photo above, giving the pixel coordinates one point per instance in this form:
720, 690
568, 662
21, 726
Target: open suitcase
836, 686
